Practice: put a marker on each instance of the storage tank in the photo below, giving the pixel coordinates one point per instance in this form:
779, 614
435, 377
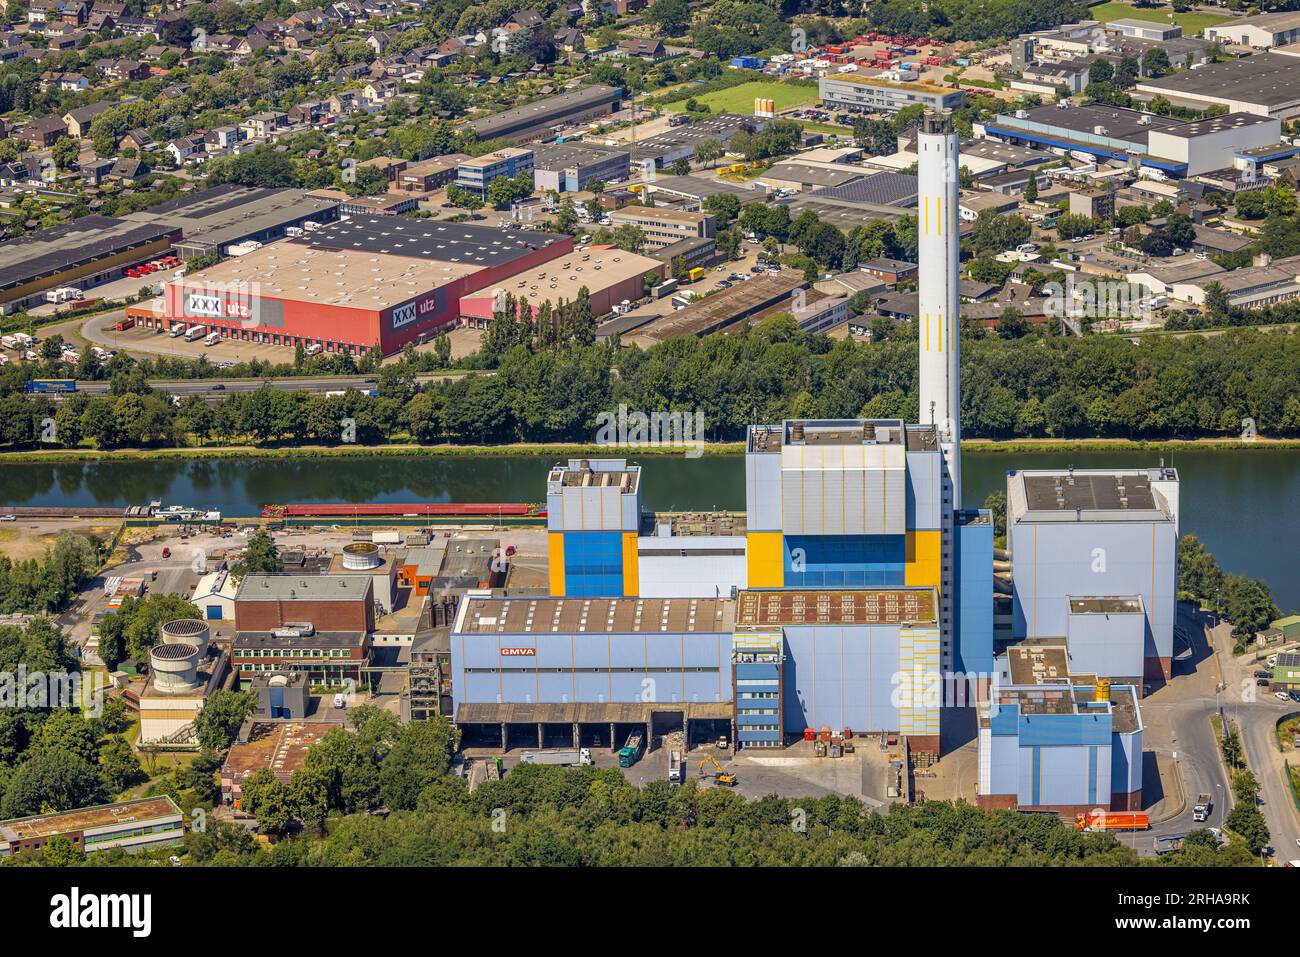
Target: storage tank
359, 556
186, 631
175, 668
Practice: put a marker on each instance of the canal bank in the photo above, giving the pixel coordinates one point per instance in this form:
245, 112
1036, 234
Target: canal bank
1240, 504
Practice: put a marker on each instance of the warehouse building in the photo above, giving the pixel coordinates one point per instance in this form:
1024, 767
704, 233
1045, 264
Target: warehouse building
1112, 134
1053, 741
569, 167
430, 175
1262, 31
664, 227
213, 220
694, 190
858, 93
358, 283
477, 173
1266, 84
1084, 546
143, 824
542, 119
1144, 29
611, 277
84, 253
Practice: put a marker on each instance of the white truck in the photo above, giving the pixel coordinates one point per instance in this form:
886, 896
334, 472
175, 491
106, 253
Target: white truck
212, 339
558, 756
676, 767
9, 342
312, 349
177, 330
1202, 808
194, 333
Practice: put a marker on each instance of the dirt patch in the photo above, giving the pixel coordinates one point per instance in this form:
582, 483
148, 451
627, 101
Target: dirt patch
20, 541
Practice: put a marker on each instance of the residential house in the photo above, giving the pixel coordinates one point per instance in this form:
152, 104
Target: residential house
343, 102
184, 148
379, 91
222, 137
138, 140
139, 26
264, 125
78, 119
650, 50
250, 44
305, 114
43, 132
44, 11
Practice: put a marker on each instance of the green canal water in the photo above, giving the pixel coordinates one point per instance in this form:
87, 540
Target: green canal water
1240, 503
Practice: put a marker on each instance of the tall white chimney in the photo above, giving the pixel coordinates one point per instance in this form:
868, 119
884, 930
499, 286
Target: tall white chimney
937, 148
939, 262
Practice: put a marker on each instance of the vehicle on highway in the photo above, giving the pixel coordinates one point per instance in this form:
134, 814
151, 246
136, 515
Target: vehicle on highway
1201, 810
218, 387
8, 518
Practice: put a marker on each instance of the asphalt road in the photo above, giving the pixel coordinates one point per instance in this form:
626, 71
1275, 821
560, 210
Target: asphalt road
1256, 711
213, 389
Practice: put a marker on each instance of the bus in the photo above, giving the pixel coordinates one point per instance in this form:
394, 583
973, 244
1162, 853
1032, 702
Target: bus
52, 385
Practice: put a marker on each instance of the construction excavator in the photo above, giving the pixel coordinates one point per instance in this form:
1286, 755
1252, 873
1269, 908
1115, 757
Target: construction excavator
721, 775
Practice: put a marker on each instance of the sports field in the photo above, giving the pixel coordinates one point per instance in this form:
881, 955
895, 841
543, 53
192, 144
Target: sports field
740, 99
1192, 23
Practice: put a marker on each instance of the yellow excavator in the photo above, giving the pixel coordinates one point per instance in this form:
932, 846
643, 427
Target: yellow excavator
723, 777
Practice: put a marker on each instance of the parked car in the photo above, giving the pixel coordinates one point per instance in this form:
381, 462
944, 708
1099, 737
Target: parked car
1281, 696
1262, 682
1263, 674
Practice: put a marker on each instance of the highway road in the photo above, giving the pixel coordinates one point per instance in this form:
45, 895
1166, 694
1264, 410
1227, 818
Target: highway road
214, 389
1256, 712
1176, 719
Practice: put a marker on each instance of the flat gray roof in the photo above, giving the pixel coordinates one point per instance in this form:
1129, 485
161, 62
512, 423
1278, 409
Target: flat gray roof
1101, 495
1269, 79
229, 213
316, 587
49, 252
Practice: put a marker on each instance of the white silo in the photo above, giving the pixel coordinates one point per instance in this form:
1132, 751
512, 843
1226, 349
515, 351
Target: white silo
187, 631
175, 668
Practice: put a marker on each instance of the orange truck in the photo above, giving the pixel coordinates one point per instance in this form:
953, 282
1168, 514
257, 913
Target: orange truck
1112, 821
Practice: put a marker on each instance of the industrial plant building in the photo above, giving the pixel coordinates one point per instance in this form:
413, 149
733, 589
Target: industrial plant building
321, 625
1093, 558
852, 592
1053, 740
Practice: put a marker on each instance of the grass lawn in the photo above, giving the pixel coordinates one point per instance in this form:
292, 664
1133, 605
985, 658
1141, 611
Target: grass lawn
1192, 23
740, 99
